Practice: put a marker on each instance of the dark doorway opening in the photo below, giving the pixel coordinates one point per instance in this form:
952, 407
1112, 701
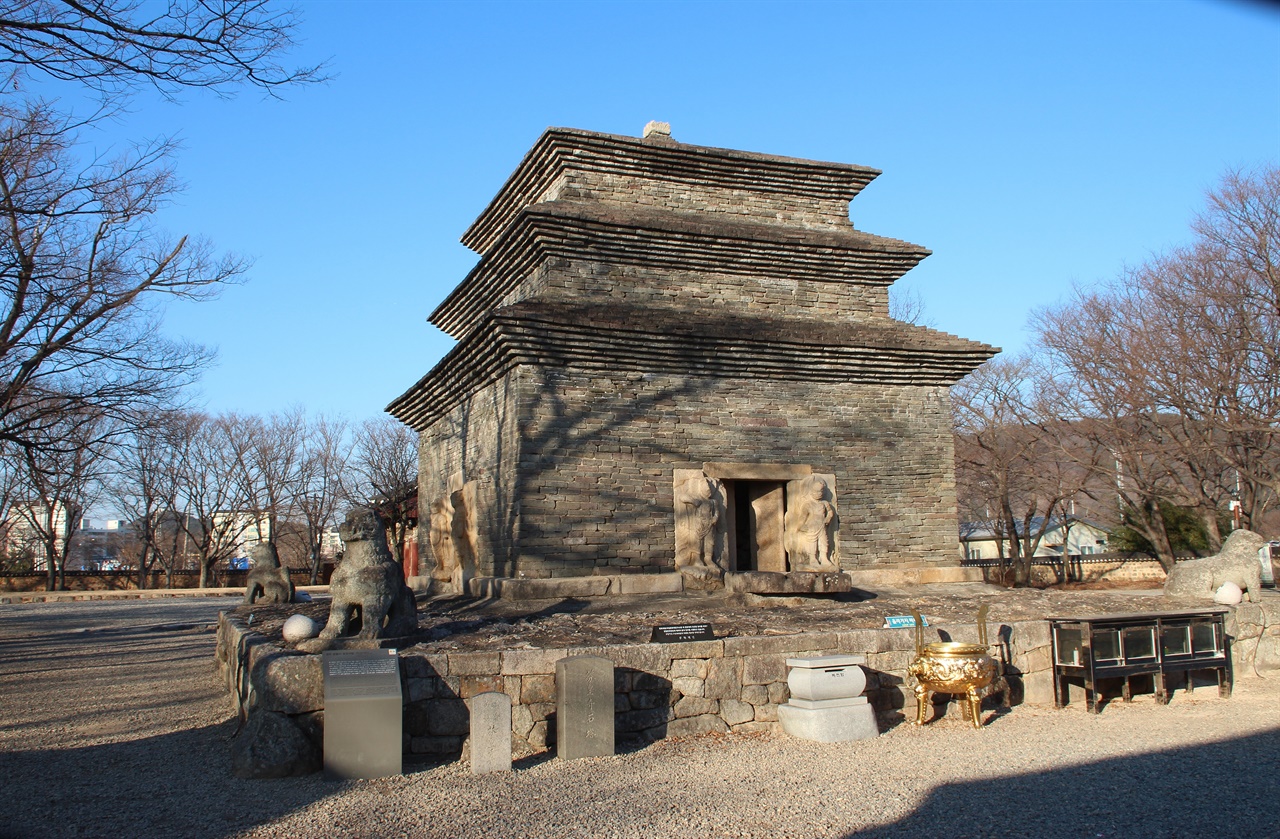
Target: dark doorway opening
756, 512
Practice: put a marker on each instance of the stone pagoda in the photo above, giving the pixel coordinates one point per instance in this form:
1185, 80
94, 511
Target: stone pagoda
680, 358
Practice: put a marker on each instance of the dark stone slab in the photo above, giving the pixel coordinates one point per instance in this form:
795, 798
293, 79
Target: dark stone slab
584, 707
362, 713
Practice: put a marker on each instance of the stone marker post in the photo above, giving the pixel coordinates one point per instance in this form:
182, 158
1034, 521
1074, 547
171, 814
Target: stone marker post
363, 712
584, 707
490, 733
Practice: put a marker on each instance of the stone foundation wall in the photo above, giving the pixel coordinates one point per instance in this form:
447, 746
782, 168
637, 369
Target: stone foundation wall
598, 453
660, 690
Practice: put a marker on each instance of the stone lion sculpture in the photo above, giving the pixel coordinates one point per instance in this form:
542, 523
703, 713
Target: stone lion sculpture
368, 584
267, 580
1237, 563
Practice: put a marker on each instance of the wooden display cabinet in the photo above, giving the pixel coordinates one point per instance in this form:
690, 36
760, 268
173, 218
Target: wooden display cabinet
1152, 644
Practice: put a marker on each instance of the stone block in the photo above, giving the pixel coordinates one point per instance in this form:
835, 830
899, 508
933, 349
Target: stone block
474, 664
557, 588
689, 686
694, 706
650, 584
693, 726
530, 662
829, 725
448, 717
755, 694
694, 667
754, 645
764, 669
734, 712
724, 678
640, 699
537, 688
472, 685
1037, 688
272, 745
425, 666
288, 684
779, 692
755, 727
634, 721
766, 713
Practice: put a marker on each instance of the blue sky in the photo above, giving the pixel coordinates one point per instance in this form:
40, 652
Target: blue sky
1029, 145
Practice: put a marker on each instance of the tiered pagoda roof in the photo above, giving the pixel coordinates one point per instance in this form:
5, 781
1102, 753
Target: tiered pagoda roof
674, 210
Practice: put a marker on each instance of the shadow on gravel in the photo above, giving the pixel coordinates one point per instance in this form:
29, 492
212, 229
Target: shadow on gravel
1230, 786
173, 785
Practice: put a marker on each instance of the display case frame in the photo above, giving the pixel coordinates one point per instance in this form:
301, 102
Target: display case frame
1156, 644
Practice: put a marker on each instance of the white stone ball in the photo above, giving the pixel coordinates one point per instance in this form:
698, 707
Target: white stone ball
299, 628
1228, 594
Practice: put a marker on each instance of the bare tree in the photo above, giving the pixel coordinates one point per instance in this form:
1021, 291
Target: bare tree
1174, 368
384, 468
212, 502
323, 478
61, 482
1009, 460
267, 457
82, 266
907, 305
111, 46
146, 481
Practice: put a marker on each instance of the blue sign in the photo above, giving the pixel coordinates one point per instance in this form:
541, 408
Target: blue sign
903, 622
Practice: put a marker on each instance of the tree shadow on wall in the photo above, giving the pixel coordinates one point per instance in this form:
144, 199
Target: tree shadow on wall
567, 429
1230, 786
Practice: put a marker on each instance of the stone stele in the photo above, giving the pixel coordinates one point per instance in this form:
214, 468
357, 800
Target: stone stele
584, 707
490, 733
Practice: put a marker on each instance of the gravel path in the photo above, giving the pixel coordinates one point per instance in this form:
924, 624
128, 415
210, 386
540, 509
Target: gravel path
113, 725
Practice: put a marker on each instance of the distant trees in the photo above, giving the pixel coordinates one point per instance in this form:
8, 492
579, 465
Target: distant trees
1166, 381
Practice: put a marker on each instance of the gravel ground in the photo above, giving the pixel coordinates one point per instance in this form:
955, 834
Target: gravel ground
113, 725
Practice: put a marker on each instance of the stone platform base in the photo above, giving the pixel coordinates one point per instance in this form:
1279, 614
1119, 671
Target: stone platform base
903, 577
793, 582
830, 724
558, 588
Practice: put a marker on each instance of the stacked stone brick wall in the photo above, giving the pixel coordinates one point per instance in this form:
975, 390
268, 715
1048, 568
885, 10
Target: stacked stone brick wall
660, 690
477, 441
712, 293
602, 448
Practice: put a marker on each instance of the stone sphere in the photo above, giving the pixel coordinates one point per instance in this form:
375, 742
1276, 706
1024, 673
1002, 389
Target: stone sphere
299, 628
1228, 594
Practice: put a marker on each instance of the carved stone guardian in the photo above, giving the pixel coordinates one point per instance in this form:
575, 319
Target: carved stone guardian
267, 580
368, 584
699, 531
810, 525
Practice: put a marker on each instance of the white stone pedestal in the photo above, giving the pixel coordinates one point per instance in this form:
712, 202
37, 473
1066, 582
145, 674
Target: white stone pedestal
829, 720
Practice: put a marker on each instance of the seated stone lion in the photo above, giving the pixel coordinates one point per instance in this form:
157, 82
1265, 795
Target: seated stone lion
368, 585
267, 580
1237, 562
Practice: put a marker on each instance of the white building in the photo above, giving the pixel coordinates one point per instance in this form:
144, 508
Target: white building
1081, 538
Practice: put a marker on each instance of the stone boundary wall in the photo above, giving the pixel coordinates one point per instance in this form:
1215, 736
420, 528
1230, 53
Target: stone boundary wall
660, 690
127, 580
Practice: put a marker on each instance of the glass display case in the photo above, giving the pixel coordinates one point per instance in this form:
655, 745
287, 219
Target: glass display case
1154, 644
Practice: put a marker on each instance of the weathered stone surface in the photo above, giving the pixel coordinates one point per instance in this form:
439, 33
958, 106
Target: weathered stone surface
693, 667
764, 669
792, 582
755, 694
369, 581
734, 712
289, 684
724, 679
272, 745
692, 726
693, 706
474, 664
490, 739
537, 689
530, 662
689, 686
645, 720
584, 707
650, 583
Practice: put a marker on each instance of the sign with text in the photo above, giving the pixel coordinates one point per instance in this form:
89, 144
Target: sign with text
682, 632
362, 713
903, 622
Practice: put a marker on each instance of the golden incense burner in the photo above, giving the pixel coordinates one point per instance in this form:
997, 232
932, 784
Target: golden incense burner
952, 667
